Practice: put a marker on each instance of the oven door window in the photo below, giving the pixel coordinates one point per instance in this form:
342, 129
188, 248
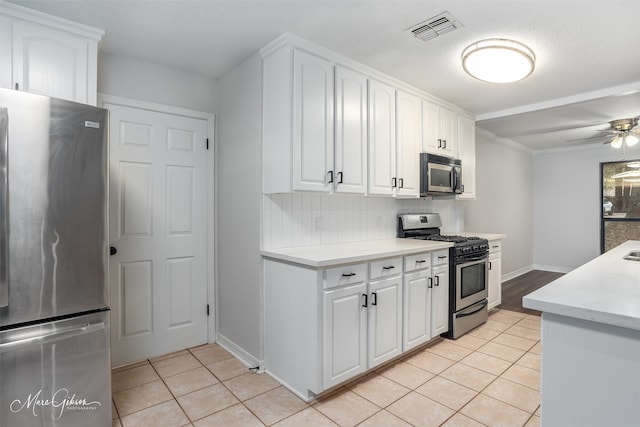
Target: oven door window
473, 279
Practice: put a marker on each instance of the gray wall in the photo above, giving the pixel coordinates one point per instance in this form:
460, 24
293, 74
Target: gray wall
504, 194
567, 204
238, 201
131, 78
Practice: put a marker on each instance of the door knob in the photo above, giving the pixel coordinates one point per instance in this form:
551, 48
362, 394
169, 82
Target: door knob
112, 250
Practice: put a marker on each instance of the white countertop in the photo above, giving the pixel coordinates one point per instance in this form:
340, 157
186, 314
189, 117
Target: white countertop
347, 253
604, 290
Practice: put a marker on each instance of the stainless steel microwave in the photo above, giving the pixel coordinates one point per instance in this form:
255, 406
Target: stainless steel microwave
440, 175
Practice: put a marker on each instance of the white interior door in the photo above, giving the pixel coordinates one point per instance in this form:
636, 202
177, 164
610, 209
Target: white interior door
158, 224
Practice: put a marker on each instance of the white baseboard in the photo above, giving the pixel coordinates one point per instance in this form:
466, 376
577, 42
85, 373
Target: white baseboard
238, 352
516, 273
552, 268
524, 270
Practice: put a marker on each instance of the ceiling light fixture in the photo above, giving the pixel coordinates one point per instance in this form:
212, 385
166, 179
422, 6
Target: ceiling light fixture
498, 60
624, 138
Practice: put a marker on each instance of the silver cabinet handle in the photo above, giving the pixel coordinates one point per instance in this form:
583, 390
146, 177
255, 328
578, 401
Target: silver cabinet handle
4, 208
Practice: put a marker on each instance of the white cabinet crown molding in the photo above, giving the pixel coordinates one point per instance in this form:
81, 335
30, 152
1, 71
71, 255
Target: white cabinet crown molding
291, 40
24, 14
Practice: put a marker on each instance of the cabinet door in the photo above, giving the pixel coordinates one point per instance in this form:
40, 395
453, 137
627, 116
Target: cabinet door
351, 131
440, 300
417, 308
385, 320
408, 144
382, 139
495, 286
345, 334
430, 128
467, 153
49, 62
449, 132
312, 123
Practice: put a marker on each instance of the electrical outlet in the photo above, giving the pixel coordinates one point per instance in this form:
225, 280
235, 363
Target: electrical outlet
319, 223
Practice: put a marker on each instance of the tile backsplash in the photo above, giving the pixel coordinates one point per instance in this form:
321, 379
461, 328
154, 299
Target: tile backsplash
304, 219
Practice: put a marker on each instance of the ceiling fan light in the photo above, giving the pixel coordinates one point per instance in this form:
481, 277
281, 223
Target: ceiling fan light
498, 60
631, 140
617, 142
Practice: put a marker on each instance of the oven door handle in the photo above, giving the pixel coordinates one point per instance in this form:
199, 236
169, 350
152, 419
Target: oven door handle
473, 259
465, 314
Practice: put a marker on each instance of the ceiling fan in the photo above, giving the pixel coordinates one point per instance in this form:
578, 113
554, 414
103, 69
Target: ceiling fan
620, 132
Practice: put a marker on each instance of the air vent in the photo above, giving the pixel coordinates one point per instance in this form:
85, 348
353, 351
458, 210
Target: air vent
434, 27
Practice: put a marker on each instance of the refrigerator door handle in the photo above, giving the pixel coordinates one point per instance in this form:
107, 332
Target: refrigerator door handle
55, 336
4, 208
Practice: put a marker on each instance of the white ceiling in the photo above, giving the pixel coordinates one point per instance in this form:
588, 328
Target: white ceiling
585, 49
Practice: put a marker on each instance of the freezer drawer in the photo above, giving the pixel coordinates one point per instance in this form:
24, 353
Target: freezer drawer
56, 374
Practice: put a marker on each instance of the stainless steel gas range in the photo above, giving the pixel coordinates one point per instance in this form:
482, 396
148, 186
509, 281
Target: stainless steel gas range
468, 270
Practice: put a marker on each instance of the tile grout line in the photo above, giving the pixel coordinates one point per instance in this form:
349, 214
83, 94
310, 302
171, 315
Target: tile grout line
375, 372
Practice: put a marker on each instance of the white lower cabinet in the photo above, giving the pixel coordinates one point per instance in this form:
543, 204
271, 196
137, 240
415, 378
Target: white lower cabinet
362, 323
385, 320
417, 308
426, 298
440, 300
344, 334
325, 326
495, 274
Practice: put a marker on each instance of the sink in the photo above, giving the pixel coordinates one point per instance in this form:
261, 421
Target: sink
633, 256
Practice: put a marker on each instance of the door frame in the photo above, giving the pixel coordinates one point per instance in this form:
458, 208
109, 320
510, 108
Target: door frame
210, 118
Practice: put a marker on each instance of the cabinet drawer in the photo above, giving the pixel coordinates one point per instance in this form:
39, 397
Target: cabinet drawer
495, 246
417, 261
385, 267
344, 275
440, 257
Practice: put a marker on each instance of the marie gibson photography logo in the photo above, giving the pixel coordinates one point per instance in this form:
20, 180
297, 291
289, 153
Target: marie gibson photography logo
59, 402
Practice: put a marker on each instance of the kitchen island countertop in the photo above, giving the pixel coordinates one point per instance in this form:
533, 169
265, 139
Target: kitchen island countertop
321, 256
604, 290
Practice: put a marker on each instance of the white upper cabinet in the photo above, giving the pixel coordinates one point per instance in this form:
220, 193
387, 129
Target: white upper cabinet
382, 139
467, 153
408, 145
351, 131
332, 125
440, 130
298, 131
312, 123
47, 55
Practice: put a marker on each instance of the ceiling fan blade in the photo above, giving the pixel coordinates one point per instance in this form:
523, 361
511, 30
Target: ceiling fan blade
592, 137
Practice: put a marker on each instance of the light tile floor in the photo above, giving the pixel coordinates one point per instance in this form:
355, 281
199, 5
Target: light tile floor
488, 377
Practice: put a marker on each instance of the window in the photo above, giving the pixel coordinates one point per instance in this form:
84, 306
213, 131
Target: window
620, 198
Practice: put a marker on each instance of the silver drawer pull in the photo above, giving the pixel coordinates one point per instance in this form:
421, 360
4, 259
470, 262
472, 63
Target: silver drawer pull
442, 257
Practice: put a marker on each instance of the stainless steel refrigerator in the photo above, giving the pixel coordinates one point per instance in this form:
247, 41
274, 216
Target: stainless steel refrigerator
54, 296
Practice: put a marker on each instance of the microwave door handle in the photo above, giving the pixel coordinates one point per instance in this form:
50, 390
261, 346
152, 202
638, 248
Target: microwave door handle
4, 208
454, 179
